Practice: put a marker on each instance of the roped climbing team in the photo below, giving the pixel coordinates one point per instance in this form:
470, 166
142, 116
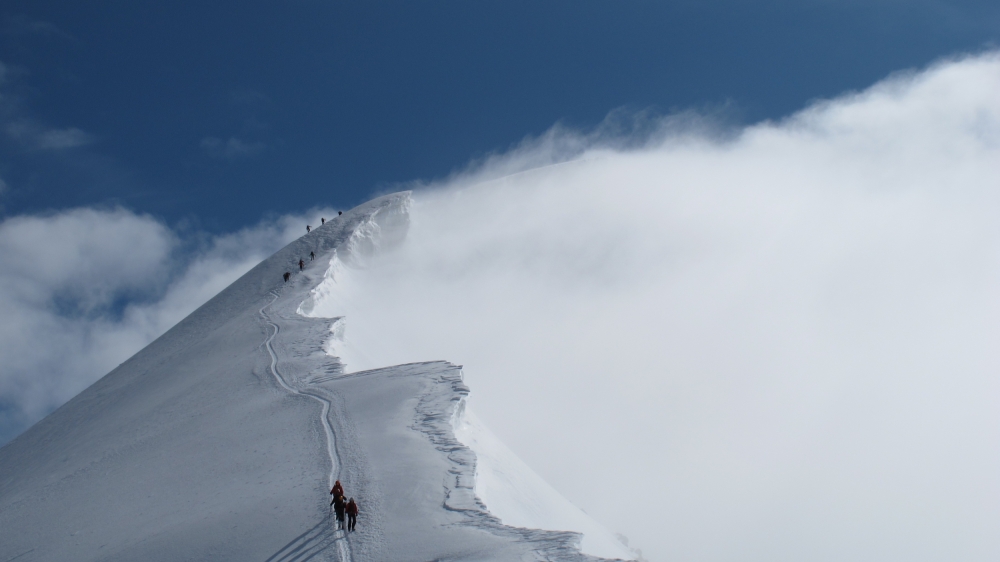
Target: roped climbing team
342, 507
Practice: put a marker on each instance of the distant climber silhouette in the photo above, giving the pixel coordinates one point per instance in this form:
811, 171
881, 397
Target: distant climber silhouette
340, 213
302, 264
352, 514
322, 220
286, 276
312, 256
308, 228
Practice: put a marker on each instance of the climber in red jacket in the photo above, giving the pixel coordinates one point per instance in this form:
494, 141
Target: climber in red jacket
352, 514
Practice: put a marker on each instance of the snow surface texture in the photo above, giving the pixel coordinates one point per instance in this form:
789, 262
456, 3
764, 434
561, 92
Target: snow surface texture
221, 440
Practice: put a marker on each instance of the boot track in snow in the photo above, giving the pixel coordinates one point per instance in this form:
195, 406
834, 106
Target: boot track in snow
343, 546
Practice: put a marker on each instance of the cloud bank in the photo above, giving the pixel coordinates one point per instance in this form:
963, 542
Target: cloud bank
778, 344
84, 289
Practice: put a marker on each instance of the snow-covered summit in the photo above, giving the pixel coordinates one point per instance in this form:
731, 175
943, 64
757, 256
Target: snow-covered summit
221, 439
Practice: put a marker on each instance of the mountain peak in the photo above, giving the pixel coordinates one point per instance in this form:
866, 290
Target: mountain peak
222, 438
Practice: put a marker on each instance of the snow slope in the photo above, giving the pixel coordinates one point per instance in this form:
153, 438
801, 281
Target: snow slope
221, 439
519, 497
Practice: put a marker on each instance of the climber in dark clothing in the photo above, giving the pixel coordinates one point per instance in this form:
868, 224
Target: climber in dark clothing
340, 213
302, 264
352, 514
286, 276
308, 228
312, 256
322, 220
339, 505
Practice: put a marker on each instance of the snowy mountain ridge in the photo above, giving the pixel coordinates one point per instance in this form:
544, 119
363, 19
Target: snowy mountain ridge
206, 444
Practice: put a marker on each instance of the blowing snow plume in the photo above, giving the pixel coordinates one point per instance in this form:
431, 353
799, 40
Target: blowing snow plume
780, 345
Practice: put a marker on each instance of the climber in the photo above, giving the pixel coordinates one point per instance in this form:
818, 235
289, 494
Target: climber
352, 514
322, 220
337, 490
340, 213
339, 505
286, 276
302, 264
312, 256
308, 228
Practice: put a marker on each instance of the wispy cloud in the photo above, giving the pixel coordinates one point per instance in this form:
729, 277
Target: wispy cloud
231, 149
55, 139
33, 135
249, 98
23, 25
27, 132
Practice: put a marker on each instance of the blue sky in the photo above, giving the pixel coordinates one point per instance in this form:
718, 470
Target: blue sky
216, 114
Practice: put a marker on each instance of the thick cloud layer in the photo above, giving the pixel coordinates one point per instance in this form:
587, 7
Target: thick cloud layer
777, 345
84, 289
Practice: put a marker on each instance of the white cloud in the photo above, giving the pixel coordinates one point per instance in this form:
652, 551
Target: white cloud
84, 289
780, 345
33, 135
230, 149
55, 139
23, 25
28, 132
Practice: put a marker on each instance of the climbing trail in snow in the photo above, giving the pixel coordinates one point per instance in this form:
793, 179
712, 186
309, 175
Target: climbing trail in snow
343, 547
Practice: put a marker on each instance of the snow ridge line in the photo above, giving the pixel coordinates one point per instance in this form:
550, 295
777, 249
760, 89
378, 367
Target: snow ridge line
343, 547
436, 410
